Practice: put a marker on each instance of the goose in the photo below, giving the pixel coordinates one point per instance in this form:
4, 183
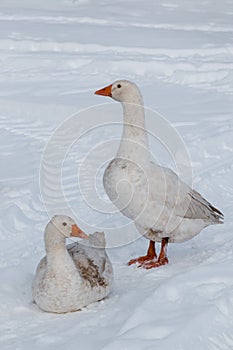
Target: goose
163, 208
73, 276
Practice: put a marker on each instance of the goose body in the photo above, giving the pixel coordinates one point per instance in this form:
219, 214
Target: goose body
163, 208
73, 276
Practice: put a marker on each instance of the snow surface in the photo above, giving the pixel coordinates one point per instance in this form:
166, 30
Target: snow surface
54, 54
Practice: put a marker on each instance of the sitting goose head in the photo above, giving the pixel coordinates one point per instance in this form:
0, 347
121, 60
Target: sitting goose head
65, 226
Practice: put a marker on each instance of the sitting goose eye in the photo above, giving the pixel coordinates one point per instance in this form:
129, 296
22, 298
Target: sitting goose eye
64, 223
119, 86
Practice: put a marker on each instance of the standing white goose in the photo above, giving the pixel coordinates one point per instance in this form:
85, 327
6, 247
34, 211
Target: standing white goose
163, 208
71, 277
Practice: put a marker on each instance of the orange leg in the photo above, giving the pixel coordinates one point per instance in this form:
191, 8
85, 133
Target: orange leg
151, 254
162, 260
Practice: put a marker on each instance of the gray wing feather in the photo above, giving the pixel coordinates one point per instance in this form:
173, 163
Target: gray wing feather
200, 208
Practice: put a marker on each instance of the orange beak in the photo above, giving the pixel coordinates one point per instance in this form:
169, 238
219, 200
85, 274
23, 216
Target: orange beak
106, 91
77, 232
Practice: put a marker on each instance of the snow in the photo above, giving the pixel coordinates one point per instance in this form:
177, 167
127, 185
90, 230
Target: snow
54, 55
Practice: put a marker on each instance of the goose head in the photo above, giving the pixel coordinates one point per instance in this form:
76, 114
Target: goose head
122, 91
65, 226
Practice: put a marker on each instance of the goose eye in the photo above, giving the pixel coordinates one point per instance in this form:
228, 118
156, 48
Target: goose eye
119, 86
64, 223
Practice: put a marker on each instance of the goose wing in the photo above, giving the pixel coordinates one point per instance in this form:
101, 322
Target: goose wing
185, 201
200, 208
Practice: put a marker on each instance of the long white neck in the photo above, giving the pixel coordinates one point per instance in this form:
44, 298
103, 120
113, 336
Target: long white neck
134, 142
56, 252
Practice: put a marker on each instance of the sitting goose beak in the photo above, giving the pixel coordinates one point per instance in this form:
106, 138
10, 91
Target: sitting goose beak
77, 232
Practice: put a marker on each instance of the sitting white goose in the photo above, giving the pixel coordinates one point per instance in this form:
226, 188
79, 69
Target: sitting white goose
163, 208
71, 277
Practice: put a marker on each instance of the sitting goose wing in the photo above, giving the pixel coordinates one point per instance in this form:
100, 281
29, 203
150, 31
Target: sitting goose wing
200, 208
92, 260
87, 267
